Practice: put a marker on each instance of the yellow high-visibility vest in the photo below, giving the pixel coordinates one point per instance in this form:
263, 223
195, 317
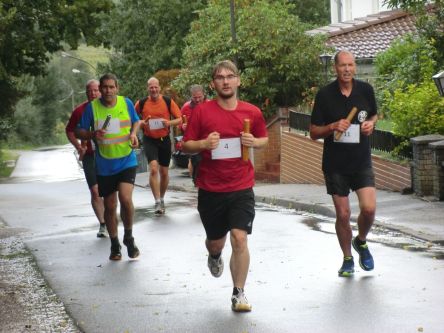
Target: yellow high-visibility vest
116, 143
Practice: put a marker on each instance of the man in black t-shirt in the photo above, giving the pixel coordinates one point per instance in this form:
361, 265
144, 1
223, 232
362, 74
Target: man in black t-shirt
346, 160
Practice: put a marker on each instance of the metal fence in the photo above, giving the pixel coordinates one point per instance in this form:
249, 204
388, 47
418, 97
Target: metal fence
379, 140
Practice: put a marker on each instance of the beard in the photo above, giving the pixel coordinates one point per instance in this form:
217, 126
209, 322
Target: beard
225, 94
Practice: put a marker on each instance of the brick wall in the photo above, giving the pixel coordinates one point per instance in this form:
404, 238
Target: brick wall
272, 152
301, 160
438, 169
390, 175
424, 164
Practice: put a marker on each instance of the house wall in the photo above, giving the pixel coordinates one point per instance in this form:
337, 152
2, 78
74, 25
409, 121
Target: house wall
301, 161
351, 9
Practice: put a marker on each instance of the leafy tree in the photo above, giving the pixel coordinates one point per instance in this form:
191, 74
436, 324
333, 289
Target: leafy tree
430, 21
276, 58
40, 116
409, 97
315, 12
147, 36
31, 30
417, 110
408, 61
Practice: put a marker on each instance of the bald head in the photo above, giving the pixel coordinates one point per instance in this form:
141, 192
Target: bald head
153, 88
341, 53
345, 67
153, 80
92, 89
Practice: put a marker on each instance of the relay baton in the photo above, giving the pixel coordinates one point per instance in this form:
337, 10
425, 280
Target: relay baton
245, 152
106, 123
349, 118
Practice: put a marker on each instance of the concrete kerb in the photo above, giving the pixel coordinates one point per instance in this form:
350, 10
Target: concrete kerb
300, 206
313, 205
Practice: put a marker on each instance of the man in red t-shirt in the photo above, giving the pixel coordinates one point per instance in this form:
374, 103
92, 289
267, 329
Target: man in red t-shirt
157, 120
225, 180
197, 96
86, 154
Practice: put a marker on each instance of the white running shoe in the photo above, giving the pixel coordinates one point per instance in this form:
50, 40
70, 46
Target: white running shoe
162, 206
239, 303
216, 266
157, 209
102, 231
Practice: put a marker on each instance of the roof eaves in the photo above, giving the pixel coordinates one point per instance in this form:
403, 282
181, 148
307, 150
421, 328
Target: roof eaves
359, 23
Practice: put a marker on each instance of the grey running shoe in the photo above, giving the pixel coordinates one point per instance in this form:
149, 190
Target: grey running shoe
158, 208
216, 266
102, 231
239, 302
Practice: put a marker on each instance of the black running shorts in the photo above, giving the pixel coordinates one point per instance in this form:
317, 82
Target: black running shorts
89, 169
342, 184
157, 149
110, 184
221, 212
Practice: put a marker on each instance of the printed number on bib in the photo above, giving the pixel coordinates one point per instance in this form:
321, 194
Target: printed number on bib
227, 148
155, 124
351, 135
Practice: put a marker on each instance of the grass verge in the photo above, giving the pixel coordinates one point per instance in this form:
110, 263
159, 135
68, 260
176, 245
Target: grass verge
7, 162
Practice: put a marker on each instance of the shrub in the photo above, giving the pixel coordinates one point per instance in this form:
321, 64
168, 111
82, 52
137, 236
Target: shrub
409, 60
417, 110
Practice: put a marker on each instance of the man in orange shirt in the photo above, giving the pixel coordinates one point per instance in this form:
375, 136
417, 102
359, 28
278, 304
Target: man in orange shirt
157, 113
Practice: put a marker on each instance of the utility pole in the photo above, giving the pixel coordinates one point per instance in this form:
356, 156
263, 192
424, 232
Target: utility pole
233, 31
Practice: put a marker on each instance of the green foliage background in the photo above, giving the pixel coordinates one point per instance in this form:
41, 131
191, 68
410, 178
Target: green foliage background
408, 95
314, 12
277, 60
430, 21
409, 60
146, 36
417, 110
31, 30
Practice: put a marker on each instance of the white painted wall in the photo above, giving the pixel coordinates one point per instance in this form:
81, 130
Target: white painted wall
346, 10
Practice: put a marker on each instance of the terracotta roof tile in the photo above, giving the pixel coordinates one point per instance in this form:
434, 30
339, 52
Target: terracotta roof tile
367, 36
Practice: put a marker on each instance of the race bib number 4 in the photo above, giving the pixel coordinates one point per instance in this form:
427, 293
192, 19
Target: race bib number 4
351, 135
155, 123
227, 148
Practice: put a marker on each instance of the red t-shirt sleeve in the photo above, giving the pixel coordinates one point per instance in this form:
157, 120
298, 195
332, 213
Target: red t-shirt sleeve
75, 117
193, 126
259, 128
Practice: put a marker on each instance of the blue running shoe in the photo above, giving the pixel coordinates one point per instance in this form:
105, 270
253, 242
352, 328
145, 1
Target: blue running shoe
348, 267
365, 257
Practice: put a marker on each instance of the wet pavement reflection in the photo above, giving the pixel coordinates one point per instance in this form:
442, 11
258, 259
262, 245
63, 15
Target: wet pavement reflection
378, 234
51, 164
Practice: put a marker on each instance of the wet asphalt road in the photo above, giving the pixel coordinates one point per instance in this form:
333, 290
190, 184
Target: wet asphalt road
292, 284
